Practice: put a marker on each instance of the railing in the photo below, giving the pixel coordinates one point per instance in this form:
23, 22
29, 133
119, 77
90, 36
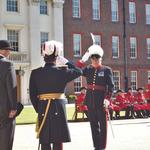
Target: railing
19, 57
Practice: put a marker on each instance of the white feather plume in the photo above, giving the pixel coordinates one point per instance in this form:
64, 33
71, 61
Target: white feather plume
93, 39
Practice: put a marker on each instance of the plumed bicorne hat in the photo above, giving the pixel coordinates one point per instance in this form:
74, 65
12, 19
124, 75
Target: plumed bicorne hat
95, 49
52, 48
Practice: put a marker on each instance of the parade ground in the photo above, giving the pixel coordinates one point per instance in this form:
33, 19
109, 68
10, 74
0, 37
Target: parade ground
132, 134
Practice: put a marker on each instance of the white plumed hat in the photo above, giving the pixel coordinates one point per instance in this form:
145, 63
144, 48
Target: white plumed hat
52, 48
95, 50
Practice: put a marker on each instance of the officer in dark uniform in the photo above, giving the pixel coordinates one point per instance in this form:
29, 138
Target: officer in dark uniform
99, 85
8, 97
47, 85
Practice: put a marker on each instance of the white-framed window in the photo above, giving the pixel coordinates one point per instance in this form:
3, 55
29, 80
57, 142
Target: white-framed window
77, 44
114, 10
133, 47
43, 7
96, 9
77, 84
147, 9
76, 8
132, 12
44, 38
13, 38
97, 39
134, 80
116, 79
115, 46
148, 47
12, 5
148, 75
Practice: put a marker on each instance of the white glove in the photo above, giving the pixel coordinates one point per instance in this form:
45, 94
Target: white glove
60, 61
106, 103
85, 57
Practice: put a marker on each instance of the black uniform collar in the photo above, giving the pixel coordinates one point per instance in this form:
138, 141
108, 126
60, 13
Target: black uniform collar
50, 65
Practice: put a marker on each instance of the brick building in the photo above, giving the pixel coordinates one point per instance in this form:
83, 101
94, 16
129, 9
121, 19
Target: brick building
121, 27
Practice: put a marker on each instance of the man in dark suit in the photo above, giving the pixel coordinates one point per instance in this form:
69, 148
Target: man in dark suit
8, 97
47, 86
99, 85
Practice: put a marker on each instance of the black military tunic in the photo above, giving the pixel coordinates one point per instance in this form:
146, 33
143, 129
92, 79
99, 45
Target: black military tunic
99, 84
51, 79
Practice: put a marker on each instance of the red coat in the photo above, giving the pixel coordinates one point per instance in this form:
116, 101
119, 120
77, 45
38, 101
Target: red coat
132, 100
112, 105
121, 101
80, 102
147, 94
140, 98
130, 97
148, 86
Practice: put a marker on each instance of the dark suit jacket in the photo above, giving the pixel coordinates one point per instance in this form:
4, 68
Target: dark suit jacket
51, 79
8, 88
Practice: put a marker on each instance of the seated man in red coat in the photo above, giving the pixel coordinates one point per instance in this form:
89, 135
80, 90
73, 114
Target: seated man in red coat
141, 100
80, 101
123, 102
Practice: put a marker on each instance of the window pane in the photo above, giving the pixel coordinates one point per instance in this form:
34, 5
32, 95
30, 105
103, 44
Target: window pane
76, 8
96, 9
114, 10
116, 79
77, 44
132, 12
13, 38
134, 80
43, 7
115, 46
97, 39
133, 47
148, 48
77, 84
147, 13
148, 75
44, 37
12, 5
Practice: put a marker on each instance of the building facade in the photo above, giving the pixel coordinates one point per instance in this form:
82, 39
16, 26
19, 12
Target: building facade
121, 27
27, 24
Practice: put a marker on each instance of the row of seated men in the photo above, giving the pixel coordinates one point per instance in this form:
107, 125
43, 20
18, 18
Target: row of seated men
135, 105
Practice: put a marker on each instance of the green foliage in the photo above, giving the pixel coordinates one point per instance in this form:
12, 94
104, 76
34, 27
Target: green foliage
71, 97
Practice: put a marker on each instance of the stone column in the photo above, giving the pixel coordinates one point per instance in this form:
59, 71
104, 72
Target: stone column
57, 19
34, 34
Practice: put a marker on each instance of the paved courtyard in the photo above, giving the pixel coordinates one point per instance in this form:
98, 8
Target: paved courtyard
133, 134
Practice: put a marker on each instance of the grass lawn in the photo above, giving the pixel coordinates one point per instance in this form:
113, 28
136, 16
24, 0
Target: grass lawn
28, 115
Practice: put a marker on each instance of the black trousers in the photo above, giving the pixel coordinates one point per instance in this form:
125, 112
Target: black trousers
98, 123
56, 146
7, 135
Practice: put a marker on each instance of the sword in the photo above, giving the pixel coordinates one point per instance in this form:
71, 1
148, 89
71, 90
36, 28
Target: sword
106, 106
